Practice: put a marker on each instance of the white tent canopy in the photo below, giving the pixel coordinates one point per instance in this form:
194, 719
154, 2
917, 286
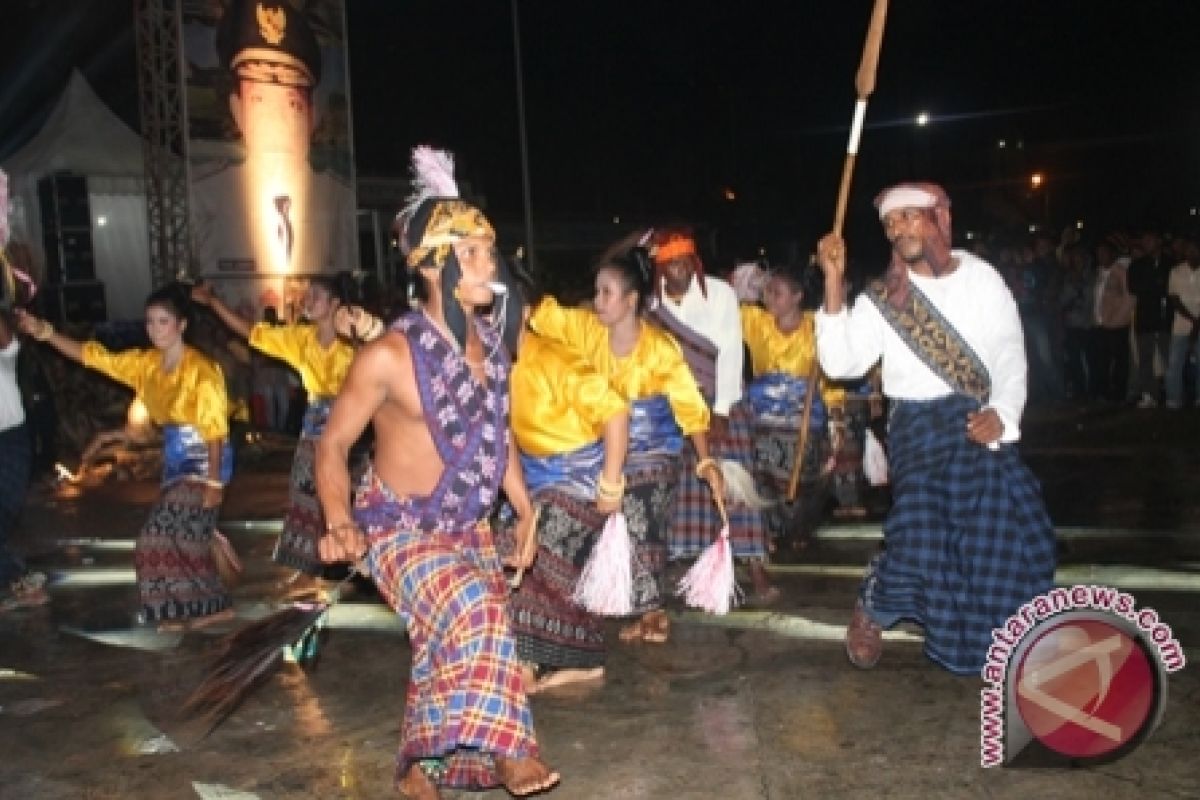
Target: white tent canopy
83, 136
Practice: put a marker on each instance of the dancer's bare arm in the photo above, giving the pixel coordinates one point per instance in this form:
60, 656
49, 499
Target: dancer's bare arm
518, 495
363, 393
616, 447
43, 331
203, 295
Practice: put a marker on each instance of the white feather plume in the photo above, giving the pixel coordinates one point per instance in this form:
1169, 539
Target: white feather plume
432, 176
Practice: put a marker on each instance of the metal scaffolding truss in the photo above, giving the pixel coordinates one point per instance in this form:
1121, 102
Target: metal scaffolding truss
164, 136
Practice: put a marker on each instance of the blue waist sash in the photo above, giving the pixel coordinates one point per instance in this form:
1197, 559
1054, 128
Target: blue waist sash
652, 431
574, 472
652, 428
315, 417
185, 455
780, 396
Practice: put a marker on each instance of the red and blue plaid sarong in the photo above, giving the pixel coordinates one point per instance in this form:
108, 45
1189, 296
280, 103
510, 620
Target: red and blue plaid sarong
466, 701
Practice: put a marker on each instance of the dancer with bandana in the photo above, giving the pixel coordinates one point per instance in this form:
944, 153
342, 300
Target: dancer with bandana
701, 312
783, 348
183, 391
316, 352
967, 540
646, 368
435, 389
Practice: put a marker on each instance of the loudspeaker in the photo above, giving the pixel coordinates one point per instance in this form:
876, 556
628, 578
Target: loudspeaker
74, 302
66, 228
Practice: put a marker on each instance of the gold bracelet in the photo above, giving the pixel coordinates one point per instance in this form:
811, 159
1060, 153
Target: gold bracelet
44, 331
610, 489
704, 464
341, 526
213, 483
603, 495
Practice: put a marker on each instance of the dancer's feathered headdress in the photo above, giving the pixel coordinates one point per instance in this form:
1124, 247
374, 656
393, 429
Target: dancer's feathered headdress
434, 217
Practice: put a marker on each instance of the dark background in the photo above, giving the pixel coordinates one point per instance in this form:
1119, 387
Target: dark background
649, 111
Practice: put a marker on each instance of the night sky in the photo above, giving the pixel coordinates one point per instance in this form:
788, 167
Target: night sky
649, 110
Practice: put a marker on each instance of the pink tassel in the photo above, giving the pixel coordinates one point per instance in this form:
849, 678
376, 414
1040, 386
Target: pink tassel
710, 583
606, 584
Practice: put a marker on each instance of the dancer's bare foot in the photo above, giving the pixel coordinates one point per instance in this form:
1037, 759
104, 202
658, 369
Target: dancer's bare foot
569, 677
416, 785
631, 632
523, 776
656, 627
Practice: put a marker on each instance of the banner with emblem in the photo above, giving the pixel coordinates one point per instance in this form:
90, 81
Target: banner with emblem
271, 156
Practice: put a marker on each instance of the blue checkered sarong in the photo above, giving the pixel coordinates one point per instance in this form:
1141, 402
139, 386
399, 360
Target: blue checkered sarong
968, 539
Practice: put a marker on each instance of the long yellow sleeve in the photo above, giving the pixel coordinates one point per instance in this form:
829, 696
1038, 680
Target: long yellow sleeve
322, 369
191, 394
655, 366
559, 402
794, 353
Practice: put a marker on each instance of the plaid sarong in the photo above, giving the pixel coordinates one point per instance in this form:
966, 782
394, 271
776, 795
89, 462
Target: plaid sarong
696, 521
968, 539
466, 699
303, 522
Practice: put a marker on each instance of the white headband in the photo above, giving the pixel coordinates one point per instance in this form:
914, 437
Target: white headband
906, 197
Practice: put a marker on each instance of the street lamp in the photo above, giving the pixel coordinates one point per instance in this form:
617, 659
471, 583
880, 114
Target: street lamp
923, 119
1037, 181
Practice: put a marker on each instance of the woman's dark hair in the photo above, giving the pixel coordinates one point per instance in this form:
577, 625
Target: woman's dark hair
636, 269
339, 287
801, 277
175, 298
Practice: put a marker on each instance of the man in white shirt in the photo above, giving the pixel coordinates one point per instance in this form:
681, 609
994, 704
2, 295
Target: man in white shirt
1183, 298
968, 539
702, 313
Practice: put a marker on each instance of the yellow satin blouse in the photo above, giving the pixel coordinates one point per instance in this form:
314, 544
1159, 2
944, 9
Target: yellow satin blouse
191, 394
655, 366
559, 403
772, 350
322, 369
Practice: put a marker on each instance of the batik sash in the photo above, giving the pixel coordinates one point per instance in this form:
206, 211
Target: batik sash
185, 455
935, 341
699, 352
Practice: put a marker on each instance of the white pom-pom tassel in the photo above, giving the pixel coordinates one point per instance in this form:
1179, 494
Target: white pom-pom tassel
710, 584
606, 584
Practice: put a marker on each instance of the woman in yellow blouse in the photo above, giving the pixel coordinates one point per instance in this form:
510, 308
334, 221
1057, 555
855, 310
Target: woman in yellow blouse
184, 393
321, 358
645, 366
783, 350
572, 430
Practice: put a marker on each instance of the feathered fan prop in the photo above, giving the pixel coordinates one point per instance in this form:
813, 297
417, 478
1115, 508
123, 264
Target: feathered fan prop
249, 656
